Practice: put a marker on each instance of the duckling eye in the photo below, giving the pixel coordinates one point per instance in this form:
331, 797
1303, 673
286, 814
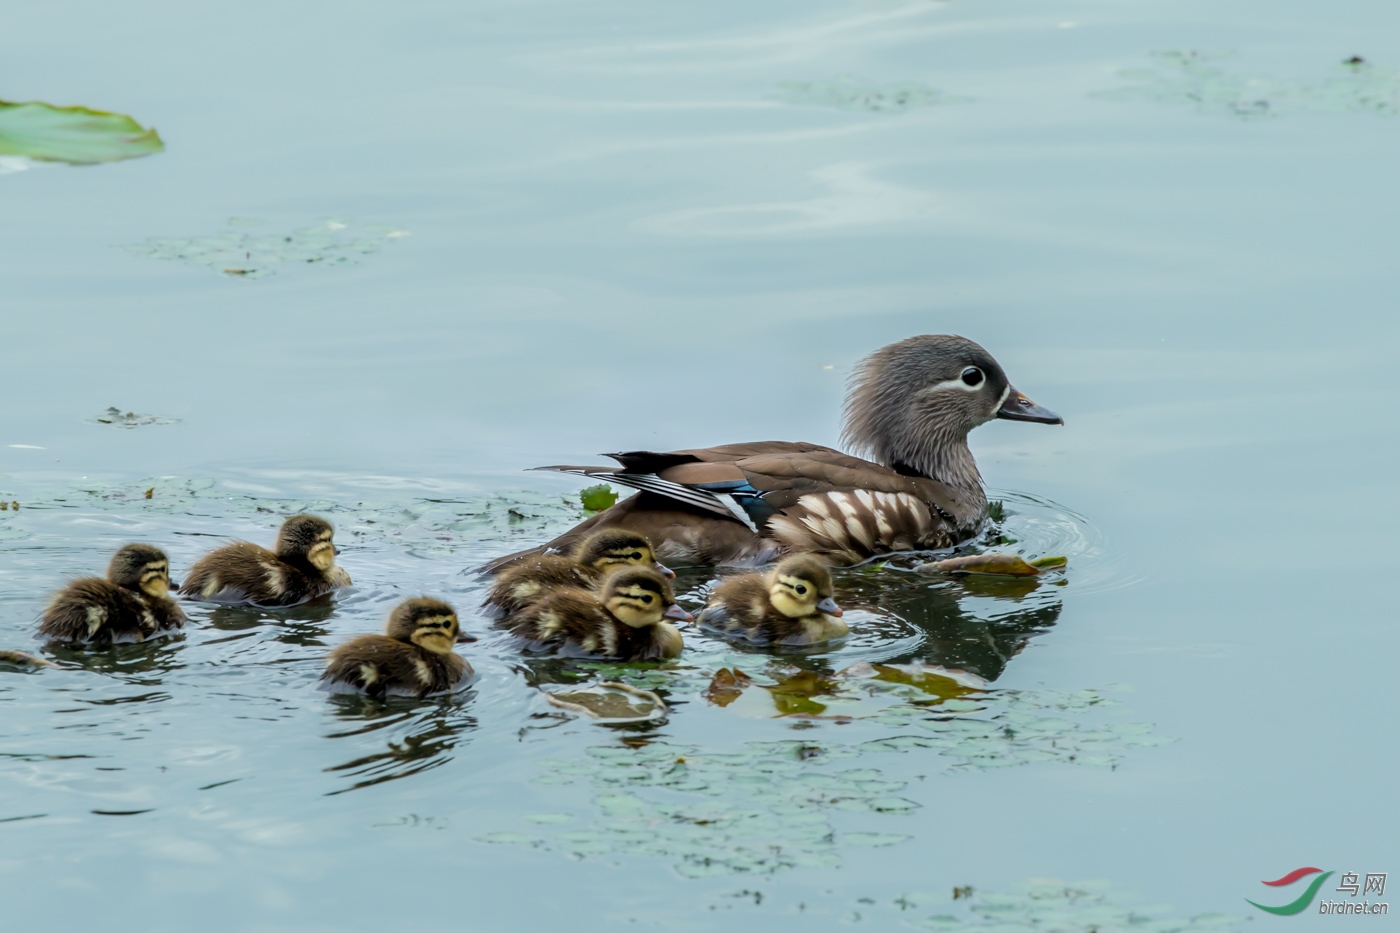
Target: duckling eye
972, 376
645, 598
635, 555
800, 590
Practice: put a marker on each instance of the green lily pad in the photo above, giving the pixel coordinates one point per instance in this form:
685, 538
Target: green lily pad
76, 135
597, 498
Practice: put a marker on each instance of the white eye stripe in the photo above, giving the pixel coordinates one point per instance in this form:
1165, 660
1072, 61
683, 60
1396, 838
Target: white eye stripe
952, 384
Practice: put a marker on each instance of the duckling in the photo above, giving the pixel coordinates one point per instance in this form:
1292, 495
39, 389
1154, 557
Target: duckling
302, 568
413, 657
131, 605
623, 619
595, 555
790, 605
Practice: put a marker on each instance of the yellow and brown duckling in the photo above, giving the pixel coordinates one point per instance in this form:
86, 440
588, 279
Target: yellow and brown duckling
131, 605
792, 604
595, 556
413, 657
624, 618
303, 567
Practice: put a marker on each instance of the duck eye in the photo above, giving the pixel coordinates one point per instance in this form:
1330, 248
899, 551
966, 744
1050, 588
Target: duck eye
634, 556
646, 599
801, 590
972, 376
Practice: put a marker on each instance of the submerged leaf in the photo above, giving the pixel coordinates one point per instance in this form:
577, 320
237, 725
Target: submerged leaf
76, 135
21, 659
597, 498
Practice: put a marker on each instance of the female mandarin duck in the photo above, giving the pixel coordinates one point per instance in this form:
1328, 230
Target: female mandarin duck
132, 604
910, 407
303, 567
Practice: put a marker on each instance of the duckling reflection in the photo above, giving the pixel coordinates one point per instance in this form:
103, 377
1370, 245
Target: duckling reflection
417, 740
596, 555
302, 625
131, 605
792, 604
976, 622
302, 568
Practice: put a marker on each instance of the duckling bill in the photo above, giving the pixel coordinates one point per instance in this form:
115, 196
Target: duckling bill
793, 604
413, 657
132, 604
301, 568
594, 557
625, 619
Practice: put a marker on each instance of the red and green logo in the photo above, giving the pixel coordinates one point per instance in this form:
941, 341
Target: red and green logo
1304, 900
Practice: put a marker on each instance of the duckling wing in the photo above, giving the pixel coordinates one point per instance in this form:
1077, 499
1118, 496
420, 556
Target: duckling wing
238, 572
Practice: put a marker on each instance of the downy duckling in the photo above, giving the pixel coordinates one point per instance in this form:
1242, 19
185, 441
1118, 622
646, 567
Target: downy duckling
594, 557
624, 619
412, 658
790, 605
302, 568
131, 605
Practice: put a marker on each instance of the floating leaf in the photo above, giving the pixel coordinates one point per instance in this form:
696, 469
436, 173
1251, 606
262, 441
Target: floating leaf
76, 135
1049, 563
611, 701
944, 683
597, 498
1008, 564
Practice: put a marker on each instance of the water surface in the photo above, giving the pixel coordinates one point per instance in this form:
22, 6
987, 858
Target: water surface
619, 226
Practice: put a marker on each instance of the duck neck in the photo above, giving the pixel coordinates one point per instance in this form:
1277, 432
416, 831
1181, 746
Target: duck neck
946, 459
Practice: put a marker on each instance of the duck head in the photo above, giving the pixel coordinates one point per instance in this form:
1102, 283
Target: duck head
611, 548
309, 539
911, 405
141, 567
640, 597
800, 586
431, 624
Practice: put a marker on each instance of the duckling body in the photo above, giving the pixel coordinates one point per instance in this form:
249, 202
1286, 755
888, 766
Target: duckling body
301, 568
414, 658
131, 605
910, 406
593, 558
624, 619
790, 605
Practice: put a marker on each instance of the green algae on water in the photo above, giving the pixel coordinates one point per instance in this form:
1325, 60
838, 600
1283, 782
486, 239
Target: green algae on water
847, 92
247, 255
1207, 81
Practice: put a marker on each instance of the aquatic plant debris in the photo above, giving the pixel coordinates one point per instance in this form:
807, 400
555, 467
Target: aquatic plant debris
764, 807
848, 92
1038, 904
129, 419
1203, 79
245, 255
76, 135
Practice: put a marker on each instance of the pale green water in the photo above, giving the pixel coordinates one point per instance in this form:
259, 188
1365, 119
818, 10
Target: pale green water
633, 226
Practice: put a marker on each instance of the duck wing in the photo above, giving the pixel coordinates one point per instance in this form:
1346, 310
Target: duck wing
805, 496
